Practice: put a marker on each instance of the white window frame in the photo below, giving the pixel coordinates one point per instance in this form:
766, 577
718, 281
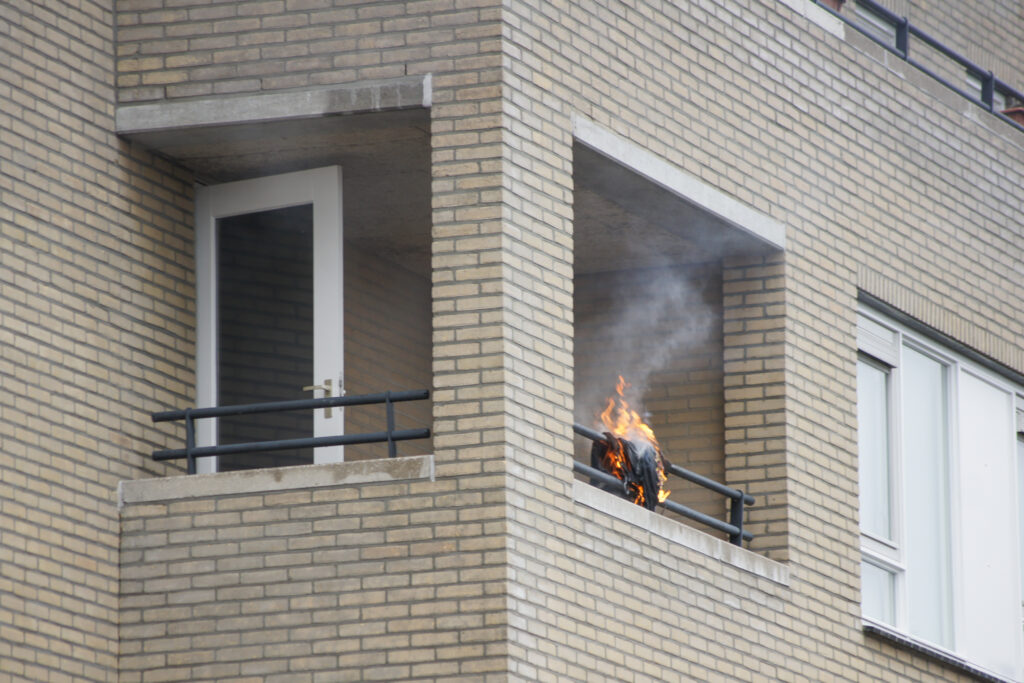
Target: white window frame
321, 188
882, 341
887, 554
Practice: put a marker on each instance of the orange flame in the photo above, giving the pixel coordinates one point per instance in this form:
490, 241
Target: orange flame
623, 422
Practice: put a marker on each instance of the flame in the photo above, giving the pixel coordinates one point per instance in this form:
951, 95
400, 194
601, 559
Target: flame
623, 422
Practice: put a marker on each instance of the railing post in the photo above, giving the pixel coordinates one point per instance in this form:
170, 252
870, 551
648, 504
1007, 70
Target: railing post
736, 519
903, 37
389, 408
988, 90
190, 441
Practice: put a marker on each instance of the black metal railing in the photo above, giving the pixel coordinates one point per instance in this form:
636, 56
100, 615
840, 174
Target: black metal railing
904, 31
737, 498
390, 436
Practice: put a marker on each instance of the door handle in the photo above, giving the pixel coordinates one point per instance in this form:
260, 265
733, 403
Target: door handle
326, 388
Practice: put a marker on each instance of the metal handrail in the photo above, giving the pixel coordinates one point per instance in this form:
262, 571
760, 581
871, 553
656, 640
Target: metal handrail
734, 527
905, 31
390, 435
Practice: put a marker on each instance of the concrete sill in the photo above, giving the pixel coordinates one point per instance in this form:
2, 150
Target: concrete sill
676, 532
276, 479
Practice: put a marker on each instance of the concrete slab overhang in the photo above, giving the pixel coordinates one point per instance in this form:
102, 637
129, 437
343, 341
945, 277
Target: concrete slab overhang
378, 131
633, 209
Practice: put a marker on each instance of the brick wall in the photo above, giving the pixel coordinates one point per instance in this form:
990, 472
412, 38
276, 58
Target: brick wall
387, 347
96, 327
189, 49
382, 581
852, 152
395, 579
754, 388
747, 98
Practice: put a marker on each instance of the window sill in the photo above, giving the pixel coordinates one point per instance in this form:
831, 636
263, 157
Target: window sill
905, 642
275, 479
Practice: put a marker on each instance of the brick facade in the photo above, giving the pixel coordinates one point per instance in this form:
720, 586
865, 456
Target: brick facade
482, 557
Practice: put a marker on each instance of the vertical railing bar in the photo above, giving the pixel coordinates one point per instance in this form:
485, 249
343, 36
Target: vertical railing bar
190, 441
903, 37
988, 90
736, 519
389, 408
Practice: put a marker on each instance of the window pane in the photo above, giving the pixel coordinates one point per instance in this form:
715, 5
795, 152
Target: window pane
877, 593
265, 333
989, 622
926, 471
873, 440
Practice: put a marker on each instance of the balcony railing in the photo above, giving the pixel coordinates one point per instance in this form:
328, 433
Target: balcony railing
896, 34
390, 436
737, 498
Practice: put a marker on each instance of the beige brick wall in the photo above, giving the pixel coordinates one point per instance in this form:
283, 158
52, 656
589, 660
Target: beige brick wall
531, 584
96, 327
754, 386
189, 49
395, 580
859, 172
387, 348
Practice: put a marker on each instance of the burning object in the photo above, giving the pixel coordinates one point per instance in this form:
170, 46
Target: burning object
630, 452
627, 460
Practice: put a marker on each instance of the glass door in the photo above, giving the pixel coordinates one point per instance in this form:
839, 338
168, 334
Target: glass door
269, 314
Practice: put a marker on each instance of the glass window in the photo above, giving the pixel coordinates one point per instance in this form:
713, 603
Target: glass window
873, 435
925, 448
941, 470
878, 587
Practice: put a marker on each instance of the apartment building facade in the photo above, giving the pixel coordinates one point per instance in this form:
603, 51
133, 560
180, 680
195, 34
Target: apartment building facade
792, 229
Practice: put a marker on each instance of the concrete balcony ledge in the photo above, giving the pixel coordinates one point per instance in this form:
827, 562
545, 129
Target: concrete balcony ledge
275, 479
676, 532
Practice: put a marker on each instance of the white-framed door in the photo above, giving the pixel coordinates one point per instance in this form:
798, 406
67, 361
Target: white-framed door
269, 309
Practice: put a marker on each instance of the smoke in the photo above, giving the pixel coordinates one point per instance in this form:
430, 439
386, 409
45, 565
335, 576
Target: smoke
656, 327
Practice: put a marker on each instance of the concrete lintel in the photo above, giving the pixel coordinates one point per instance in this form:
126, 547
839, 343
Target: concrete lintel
676, 532
275, 479
353, 98
675, 180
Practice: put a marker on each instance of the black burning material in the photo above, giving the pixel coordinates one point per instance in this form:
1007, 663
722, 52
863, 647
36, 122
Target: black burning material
629, 451
637, 464
607, 445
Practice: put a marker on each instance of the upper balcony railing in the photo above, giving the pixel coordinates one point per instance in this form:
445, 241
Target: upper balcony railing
897, 35
390, 436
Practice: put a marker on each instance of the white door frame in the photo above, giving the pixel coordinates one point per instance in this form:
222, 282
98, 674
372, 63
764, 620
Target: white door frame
320, 187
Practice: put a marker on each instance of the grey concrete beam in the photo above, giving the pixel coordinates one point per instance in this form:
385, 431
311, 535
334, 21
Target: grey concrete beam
275, 479
354, 98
